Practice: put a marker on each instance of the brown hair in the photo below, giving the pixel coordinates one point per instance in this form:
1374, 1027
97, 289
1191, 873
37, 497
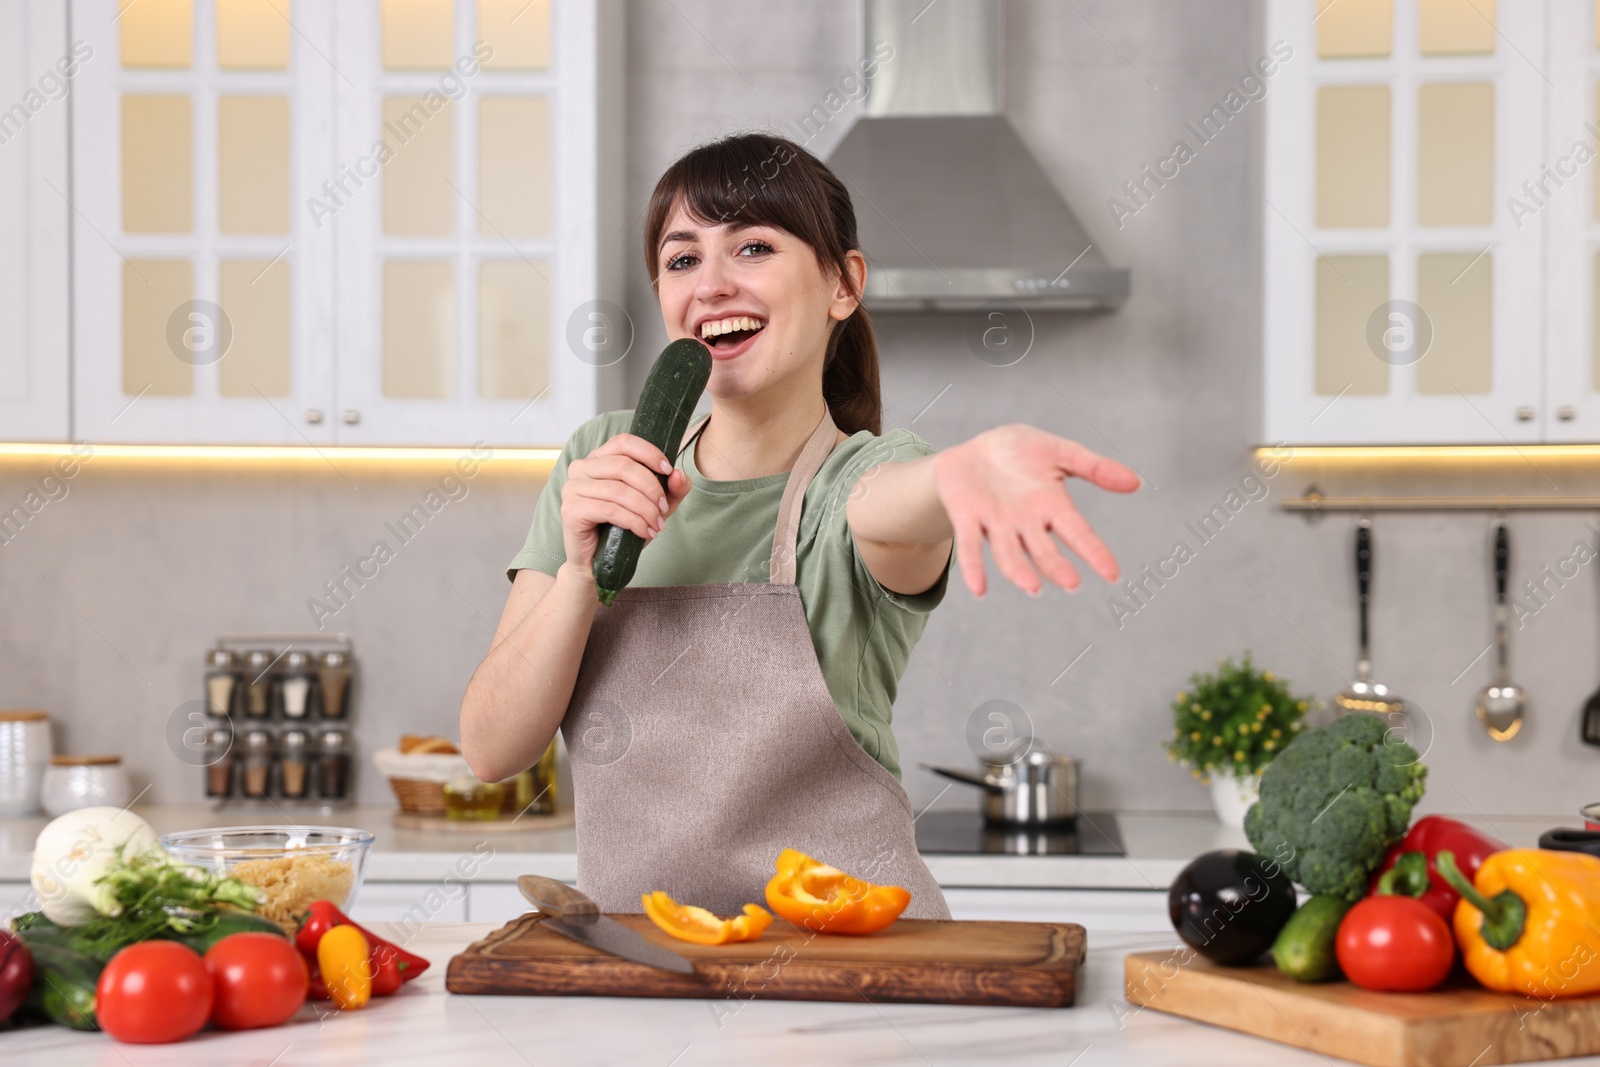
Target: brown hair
761, 180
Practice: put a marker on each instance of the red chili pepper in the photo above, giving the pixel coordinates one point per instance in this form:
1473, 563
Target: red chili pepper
325, 915
319, 988
386, 977
1409, 869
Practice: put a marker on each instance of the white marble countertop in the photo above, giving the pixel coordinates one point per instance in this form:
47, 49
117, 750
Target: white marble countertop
1157, 844
425, 1025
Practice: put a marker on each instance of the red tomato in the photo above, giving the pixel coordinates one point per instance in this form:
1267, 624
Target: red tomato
1394, 944
261, 980
153, 992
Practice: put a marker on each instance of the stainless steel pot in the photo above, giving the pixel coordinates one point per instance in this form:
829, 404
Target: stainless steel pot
1039, 788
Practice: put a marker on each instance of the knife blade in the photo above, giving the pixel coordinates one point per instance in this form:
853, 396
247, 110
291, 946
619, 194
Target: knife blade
571, 914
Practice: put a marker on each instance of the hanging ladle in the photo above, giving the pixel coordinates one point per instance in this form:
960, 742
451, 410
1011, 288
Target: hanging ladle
1500, 704
1363, 694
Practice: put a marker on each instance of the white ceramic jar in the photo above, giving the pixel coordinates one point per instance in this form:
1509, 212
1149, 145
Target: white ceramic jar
74, 782
24, 755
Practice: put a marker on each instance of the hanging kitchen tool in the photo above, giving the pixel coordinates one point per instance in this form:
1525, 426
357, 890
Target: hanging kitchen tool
1364, 694
1040, 788
1589, 721
1500, 704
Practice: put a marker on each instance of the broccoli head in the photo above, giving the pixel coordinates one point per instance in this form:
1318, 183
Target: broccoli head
1333, 802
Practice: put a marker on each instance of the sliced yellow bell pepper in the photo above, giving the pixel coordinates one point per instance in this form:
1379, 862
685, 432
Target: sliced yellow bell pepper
1527, 922
689, 923
822, 898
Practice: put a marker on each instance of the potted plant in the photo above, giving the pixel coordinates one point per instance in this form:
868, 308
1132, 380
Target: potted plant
1228, 726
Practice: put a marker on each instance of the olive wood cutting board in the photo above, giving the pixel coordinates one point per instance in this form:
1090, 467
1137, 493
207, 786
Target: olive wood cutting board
1460, 1024
912, 961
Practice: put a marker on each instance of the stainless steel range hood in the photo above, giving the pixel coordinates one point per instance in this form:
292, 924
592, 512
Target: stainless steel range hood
953, 210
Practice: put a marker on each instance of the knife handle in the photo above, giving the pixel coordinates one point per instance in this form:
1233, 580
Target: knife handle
556, 899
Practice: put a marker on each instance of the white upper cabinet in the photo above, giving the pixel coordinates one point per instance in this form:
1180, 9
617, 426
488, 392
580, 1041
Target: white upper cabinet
364, 222
1403, 295
37, 64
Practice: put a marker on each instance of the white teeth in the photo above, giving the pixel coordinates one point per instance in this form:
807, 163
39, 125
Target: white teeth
729, 325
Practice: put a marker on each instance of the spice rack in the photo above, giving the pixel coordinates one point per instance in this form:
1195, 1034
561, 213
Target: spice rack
278, 710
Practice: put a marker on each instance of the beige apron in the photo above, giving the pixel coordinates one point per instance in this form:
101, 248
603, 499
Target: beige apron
703, 741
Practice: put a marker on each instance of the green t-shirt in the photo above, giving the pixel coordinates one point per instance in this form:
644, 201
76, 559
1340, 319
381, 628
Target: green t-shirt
722, 532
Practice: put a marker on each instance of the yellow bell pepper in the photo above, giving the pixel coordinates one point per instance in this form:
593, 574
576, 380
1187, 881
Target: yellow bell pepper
822, 898
689, 923
1530, 922
344, 959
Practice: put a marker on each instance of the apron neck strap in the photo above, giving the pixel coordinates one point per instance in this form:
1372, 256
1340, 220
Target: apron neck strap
786, 534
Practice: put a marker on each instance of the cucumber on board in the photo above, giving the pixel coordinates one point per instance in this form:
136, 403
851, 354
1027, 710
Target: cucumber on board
670, 394
64, 983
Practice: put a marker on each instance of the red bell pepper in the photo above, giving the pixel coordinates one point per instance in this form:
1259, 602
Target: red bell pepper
324, 916
1409, 869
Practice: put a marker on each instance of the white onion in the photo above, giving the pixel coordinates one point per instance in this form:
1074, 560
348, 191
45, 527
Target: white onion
75, 850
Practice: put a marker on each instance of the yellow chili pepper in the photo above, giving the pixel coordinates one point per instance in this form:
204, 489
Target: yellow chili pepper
825, 899
1530, 921
343, 957
689, 923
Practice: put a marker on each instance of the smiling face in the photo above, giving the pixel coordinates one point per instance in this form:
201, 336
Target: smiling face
757, 296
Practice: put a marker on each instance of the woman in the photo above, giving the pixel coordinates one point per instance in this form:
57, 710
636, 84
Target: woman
736, 698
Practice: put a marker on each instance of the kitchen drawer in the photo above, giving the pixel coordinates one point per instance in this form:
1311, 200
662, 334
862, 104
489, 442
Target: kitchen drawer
1094, 909
495, 902
410, 902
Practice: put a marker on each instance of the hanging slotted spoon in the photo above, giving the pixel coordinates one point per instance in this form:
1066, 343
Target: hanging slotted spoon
1363, 694
1501, 704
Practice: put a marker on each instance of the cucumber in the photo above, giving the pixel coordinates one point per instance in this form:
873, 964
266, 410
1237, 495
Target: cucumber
1304, 949
63, 985
230, 922
670, 394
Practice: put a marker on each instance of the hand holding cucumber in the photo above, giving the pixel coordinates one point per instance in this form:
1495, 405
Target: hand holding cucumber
618, 484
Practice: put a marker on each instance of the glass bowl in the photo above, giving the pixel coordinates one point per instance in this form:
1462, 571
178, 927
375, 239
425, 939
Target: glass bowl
291, 865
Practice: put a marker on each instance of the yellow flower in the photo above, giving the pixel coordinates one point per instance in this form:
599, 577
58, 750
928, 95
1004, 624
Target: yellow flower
1301, 705
1194, 735
1269, 745
1238, 757
1297, 726
1216, 740
1205, 716
1194, 707
1183, 698
1172, 757
1266, 709
1266, 676
1277, 733
1256, 728
1195, 772
1206, 780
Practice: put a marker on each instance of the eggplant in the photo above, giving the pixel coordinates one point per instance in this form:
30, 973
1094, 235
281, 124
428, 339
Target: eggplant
1229, 905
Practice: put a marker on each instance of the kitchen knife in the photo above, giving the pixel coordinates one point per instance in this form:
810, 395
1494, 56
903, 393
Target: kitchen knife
570, 913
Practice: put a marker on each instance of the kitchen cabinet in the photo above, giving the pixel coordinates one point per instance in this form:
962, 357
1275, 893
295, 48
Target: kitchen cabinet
1417, 287
362, 223
36, 67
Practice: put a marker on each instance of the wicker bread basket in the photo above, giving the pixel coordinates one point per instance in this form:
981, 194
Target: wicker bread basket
418, 780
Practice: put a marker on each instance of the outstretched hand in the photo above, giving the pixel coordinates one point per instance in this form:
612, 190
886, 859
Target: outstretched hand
1007, 485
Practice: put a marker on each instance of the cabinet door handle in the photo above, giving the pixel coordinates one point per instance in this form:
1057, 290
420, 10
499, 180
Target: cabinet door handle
1525, 413
1566, 412
313, 415
351, 416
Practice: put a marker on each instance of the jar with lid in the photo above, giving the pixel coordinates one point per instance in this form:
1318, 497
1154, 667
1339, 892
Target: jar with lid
294, 764
295, 685
333, 683
219, 761
222, 682
256, 757
258, 683
24, 756
74, 782
333, 765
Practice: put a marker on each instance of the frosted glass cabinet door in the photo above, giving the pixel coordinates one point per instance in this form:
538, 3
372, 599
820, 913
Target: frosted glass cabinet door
33, 228
204, 303
488, 226
1401, 287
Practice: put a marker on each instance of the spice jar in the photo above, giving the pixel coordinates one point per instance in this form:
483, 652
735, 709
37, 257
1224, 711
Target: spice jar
258, 684
222, 682
294, 687
333, 764
219, 761
257, 761
333, 678
294, 763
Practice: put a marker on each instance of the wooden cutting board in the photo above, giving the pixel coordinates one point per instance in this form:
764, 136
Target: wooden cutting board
1457, 1025
913, 961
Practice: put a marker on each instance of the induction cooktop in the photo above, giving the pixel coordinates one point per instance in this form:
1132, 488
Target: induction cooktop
1092, 833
